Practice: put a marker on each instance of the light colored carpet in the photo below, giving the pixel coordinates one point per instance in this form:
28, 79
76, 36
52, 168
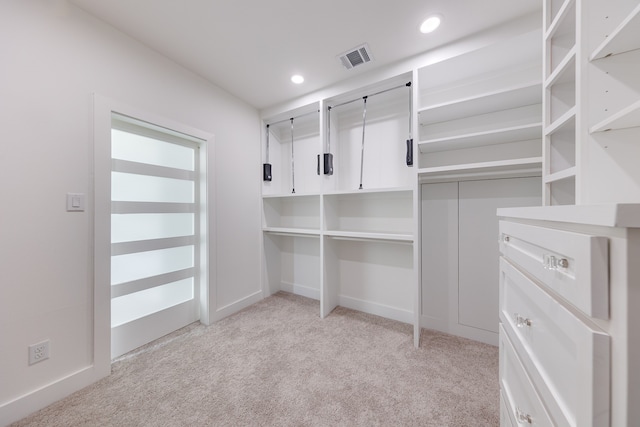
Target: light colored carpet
278, 364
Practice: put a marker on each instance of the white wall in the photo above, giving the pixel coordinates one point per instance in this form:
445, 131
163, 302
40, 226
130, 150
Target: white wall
53, 57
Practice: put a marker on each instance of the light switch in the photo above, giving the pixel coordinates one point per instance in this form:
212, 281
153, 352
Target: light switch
75, 202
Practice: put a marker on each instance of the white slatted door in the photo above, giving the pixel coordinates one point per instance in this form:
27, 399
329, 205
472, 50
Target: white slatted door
154, 233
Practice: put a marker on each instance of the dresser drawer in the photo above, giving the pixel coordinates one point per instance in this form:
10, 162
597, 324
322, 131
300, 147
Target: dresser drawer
574, 265
520, 404
568, 360
506, 419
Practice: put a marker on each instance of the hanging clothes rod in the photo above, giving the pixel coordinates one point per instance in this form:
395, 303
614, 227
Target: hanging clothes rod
369, 96
293, 118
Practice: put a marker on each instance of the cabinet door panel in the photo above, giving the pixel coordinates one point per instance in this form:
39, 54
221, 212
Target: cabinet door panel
478, 247
440, 254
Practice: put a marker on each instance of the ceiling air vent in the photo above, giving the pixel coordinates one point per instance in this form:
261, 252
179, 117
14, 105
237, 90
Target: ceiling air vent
356, 56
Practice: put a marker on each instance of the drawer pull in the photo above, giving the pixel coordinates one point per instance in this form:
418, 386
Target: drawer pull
522, 321
550, 262
523, 418
505, 239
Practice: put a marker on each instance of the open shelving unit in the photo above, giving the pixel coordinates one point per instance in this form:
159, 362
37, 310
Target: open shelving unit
291, 203
292, 214
614, 66
591, 101
596, 107
483, 119
559, 102
384, 215
480, 147
347, 237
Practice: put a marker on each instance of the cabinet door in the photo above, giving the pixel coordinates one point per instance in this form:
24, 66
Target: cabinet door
478, 275
439, 225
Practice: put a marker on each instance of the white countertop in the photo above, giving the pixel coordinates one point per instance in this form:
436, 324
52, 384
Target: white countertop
625, 215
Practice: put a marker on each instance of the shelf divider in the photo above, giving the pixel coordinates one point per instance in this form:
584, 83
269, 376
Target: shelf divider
567, 61
559, 176
561, 121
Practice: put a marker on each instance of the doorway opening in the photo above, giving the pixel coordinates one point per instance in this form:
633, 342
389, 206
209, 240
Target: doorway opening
154, 233
153, 228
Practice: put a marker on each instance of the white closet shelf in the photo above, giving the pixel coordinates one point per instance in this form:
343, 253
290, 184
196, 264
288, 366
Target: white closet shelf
287, 195
562, 123
561, 73
557, 20
363, 235
491, 137
624, 38
626, 118
511, 97
288, 231
369, 191
559, 176
529, 164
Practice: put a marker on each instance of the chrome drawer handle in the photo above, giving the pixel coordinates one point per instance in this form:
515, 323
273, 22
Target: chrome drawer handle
550, 262
505, 239
522, 321
523, 418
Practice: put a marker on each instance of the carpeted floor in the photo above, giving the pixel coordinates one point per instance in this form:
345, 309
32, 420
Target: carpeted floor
277, 363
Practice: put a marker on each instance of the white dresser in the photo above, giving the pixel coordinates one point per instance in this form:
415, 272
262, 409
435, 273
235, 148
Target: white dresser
570, 315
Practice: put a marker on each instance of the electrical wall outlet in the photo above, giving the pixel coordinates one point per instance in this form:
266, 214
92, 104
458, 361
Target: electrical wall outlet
38, 352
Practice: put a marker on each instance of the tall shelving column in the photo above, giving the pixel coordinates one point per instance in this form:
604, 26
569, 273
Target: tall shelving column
368, 207
591, 101
561, 109
291, 219
480, 118
610, 70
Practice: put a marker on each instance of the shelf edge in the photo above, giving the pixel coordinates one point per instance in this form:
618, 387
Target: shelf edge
609, 123
598, 52
559, 176
562, 66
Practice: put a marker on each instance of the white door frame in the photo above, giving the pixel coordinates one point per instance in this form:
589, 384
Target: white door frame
102, 109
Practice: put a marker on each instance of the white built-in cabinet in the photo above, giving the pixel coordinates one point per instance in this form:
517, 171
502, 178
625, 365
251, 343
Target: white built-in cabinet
346, 237
480, 130
370, 235
459, 249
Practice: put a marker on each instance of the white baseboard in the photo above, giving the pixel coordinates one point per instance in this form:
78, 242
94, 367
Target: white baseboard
301, 290
46, 395
459, 330
381, 310
236, 306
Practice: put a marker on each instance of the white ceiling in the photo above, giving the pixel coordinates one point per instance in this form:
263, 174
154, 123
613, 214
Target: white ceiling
252, 47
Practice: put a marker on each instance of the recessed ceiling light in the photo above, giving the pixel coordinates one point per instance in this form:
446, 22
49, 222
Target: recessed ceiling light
430, 24
297, 79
